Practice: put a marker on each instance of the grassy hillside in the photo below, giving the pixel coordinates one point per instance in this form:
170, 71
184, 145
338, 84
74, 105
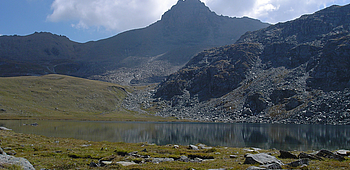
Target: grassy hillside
63, 97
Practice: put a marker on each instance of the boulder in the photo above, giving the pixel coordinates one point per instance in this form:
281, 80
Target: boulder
124, 163
272, 166
343, 152
193, 147
330, 155
262, 159
4, 128
159, 160
2, 152
287, 155
255, 168
300, 162
93, 164
202, 146
309, 156
24, 163
184, 158
233, 156
255, 103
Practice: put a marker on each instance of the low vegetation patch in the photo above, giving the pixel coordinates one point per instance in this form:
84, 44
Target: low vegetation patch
63, 153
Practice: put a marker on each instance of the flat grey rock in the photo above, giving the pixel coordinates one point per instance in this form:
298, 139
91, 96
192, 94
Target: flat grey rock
262, 159
24, 163
4, 128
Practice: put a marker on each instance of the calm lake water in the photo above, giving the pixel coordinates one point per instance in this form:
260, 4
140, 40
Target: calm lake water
266, 136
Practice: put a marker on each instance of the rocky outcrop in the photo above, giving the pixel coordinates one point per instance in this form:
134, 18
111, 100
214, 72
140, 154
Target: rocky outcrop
211, 73
292, 72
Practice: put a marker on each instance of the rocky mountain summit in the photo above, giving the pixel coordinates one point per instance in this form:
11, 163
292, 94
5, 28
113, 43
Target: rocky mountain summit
137, 56
292, 72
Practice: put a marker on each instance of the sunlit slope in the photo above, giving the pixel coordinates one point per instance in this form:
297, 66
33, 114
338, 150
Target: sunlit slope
62, 97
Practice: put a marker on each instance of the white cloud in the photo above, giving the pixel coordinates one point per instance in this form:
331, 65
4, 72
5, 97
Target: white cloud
121, 15
113, 15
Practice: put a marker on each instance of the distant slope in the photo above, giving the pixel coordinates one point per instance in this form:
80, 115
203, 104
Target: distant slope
63, 97
138, 56
292, 72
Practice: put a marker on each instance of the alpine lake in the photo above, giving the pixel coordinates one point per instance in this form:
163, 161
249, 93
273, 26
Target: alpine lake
265, 136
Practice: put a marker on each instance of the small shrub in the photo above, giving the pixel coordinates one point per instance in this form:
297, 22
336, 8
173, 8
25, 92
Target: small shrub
121, 152
200, 155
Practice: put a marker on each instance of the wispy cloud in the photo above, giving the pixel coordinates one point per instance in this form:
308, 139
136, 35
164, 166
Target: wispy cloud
271, 11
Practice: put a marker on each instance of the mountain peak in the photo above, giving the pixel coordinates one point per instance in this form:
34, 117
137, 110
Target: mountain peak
189, 1
186, 8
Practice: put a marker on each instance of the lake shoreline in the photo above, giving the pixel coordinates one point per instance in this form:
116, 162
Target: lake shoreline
265, 136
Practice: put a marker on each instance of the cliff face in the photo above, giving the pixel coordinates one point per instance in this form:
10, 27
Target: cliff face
294, 72
137, 56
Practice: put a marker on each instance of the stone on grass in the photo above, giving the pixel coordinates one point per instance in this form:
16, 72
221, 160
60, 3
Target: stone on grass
193, 147
328, 154
272, 166
11, 160
233, 156
159, 160
124, 163
256, 168
93, 164
262, 159
343, 152
184, 158
4, 128
252, 150
202, 146
300, 162
287, 155
309, 156
2, 152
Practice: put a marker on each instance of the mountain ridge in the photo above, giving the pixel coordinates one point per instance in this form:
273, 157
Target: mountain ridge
144, 55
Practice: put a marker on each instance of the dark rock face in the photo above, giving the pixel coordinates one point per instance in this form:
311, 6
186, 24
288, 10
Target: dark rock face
279, 96
292, 72
332, 72
211, 73
255, 103
138, 56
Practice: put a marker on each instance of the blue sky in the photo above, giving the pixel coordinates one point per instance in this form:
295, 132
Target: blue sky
89, 20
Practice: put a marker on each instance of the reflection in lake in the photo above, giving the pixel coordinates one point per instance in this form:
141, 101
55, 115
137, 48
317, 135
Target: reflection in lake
289, 137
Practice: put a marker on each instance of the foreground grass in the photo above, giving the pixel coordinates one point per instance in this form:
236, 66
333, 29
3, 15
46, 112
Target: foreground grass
64, 97
63, 153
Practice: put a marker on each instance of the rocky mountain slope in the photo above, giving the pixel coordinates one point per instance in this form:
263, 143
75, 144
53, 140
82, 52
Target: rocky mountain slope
138, 56
292, 72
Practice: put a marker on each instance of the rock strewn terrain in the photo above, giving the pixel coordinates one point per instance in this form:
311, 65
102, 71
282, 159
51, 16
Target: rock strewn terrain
296, 72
